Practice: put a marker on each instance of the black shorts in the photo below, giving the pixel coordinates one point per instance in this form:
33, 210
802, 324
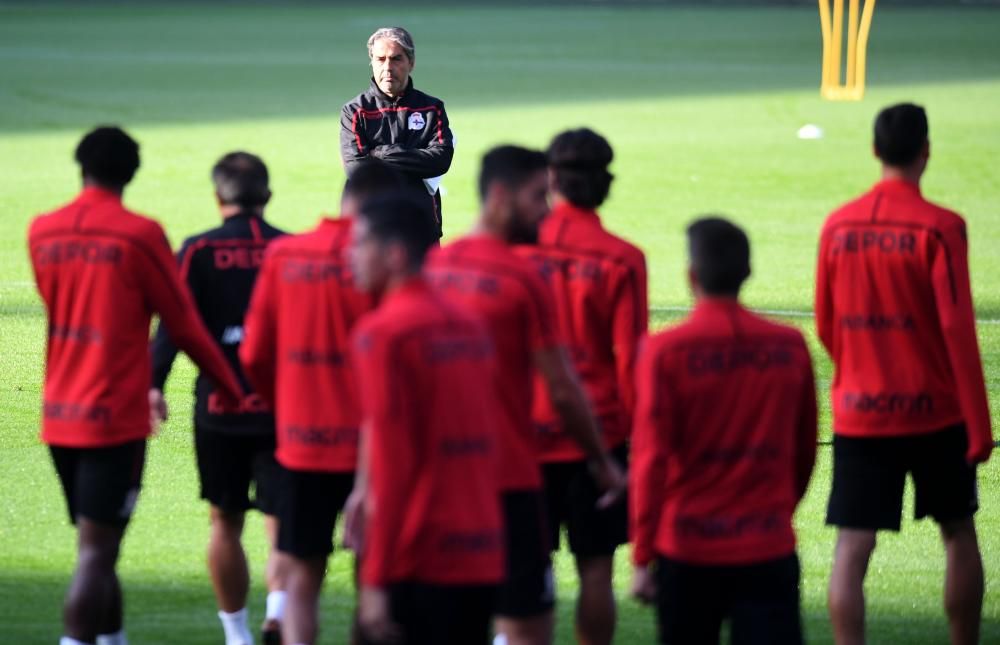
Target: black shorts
571, 496
307, 515
229, 463
869, 476
441, 614
101, 484
760, 601
529, 588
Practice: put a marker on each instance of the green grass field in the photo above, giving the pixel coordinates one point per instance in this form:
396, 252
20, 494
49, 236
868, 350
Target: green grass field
702, 106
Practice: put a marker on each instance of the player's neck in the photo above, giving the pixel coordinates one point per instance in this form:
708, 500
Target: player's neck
485, 227
93, 183
910, 175
232, 210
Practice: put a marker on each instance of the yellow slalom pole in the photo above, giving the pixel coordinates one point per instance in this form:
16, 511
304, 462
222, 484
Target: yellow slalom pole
825, 27
838, 38
852, 44
865, 30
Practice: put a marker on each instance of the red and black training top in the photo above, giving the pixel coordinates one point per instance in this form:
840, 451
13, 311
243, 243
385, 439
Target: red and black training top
724, 440
220, 267
599, 284
296, 349
483, 274
103, 271
894, 309
426, 373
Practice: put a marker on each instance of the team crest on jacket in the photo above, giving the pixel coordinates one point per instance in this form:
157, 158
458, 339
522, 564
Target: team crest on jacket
417, 121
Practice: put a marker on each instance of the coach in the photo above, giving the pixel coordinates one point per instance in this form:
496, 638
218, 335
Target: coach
396, 123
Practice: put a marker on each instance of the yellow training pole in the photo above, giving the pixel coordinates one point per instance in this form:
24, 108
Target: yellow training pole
852, 44
844, 84
825, 28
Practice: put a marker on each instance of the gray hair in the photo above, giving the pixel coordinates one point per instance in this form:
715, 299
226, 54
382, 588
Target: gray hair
397, 35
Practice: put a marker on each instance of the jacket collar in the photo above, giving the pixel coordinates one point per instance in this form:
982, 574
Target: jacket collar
898, 186
566, 209
93, 194
382, 97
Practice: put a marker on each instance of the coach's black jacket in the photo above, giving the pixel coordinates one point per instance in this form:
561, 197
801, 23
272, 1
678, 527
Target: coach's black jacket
220, 267
410, 133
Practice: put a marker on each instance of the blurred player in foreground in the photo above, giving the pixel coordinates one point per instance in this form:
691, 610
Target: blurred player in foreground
482, 272
103, 271
234, 446
722, 452
432, 550
296, 352
599, 283
894, 309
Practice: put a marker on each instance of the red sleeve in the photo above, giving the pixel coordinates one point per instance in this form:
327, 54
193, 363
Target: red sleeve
168, 296
258, 351
805, 453
629, 323
647, 473
824, 297
953, 294
387, 414
542, 330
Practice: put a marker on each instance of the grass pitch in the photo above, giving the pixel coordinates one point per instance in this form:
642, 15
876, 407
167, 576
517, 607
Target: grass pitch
702, 106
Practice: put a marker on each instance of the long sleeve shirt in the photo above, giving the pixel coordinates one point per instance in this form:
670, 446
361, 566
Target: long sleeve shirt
894, 309
220, 267
426, 380
483, 274
410, 133
598, 282
724, 441
296, 349
103, 271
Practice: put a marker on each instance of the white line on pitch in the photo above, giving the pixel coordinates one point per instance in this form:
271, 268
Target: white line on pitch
788, 313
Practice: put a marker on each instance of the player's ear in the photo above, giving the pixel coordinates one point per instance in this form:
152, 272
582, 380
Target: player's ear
693, 281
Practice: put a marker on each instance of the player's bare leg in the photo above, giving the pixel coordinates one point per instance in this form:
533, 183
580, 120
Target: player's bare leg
847, 594
596, 612
536, 630
963, 583
227, 562
93, 602
305, 580
276, 574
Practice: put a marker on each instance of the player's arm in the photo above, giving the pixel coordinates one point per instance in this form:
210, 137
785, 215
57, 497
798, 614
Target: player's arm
824, 296
433, 160
169, 297
648, 466
953, 294
629, 324
162, 350
259, 350
571, 404
393, 451
565, 391
805, 448
354, 145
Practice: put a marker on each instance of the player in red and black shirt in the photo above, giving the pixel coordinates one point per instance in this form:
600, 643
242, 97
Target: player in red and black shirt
296, 352
894, 309
432, 550
482, 272
722, 451
599, 283
234, 446
103, 271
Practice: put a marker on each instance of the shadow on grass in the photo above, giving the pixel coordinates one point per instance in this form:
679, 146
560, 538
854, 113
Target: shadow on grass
159, 608
66, 66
